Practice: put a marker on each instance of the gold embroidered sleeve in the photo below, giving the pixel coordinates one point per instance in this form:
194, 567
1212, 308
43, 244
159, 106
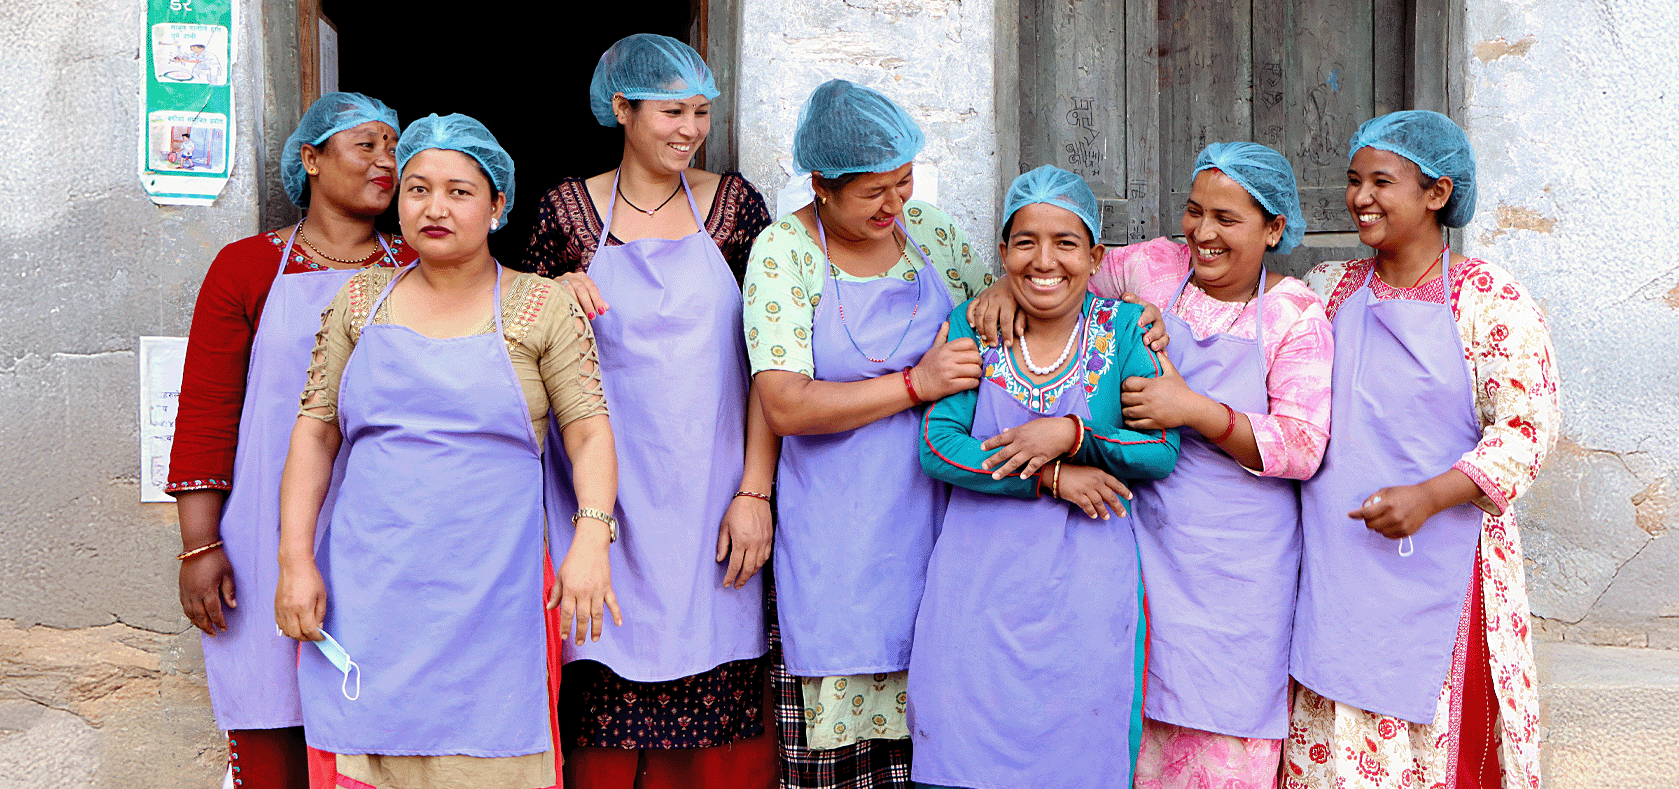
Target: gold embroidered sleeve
341, 326
553, 351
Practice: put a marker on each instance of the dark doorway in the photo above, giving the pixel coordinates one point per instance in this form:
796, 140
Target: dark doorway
524, 73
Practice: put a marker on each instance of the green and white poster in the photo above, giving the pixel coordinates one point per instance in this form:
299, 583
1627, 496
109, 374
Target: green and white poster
186, 135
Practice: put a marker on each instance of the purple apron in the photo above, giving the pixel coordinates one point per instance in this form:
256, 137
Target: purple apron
853, 538
434, 589
1220, 550
673, 367
1027, 671
251, 668
1375, 629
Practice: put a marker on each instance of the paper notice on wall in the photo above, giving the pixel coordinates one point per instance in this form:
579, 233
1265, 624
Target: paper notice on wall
326, 52
186, 134
161, 360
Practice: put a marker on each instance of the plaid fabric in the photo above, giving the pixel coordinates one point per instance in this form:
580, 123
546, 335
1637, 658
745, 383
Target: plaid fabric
870, 764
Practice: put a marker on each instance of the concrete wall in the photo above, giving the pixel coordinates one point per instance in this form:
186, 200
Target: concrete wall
102, 679
1569, 114
934, 57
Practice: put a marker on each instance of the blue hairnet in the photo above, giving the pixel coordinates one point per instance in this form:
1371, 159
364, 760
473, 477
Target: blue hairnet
462, 133
848, 128
1267, 176
647, 66
329, 115
1057, 187
1437, 146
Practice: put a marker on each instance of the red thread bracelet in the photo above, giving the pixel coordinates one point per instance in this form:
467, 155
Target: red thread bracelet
1228, 429
910, 385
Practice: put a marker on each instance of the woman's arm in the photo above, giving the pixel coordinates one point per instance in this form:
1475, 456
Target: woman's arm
583, 582
747, 533
300, 599
1514, 381
949, 450
1106, 443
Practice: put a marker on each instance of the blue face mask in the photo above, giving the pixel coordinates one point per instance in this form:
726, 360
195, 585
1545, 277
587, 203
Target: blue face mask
335, 653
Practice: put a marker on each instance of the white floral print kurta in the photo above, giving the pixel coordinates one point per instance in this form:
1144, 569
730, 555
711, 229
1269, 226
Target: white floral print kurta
1508, 351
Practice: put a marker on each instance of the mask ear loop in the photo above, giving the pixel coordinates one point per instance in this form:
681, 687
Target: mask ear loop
1403, 550
344, 687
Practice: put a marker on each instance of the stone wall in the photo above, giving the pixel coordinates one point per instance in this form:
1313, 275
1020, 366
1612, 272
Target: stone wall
1569, 115
102, 680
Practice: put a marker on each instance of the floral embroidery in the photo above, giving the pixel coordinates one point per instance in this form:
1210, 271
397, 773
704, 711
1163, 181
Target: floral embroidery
198, 484
1092, 359
301, 262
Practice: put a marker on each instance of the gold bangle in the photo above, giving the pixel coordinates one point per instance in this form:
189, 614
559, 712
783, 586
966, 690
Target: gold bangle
599, 515
753, 494
1055, 481
185, 555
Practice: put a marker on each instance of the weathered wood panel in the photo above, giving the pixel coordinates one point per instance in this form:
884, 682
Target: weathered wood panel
1206, 79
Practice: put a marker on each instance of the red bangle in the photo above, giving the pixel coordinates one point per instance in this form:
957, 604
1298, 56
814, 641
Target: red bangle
1228, 429
910, 385
1078, 443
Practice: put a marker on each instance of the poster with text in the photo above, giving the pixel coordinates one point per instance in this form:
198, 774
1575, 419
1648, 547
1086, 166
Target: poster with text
161, 362
186, 141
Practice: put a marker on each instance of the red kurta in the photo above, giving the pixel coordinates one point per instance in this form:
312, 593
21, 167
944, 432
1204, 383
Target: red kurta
224, 323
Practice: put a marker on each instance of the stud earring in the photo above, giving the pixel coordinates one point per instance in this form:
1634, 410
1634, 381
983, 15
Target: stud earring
495, 223
312, 172
823, 199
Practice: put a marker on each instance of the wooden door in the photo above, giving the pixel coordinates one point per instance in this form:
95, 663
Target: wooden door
1128, 92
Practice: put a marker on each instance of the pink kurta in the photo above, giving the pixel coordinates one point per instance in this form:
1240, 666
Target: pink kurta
1299, 345
1299, 352
1508, 351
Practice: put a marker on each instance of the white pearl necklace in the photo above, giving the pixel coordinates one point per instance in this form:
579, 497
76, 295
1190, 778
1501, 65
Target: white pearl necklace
1026, 354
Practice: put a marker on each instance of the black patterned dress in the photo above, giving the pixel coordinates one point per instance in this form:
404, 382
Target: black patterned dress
598, 708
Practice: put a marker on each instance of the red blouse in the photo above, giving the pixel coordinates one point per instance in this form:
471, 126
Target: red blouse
224, 323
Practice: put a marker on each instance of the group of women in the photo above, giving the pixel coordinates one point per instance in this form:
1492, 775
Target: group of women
1149, 562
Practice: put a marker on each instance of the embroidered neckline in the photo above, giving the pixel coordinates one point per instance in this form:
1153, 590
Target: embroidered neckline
301, 262
1087, 366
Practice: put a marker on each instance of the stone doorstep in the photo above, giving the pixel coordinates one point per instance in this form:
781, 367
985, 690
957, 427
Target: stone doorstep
1611, 716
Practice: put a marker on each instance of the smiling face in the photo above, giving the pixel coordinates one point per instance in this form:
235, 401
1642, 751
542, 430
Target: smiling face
447, 204
664, 135
355, 169
869, 206
1049, 258
1227, 233
1390, 198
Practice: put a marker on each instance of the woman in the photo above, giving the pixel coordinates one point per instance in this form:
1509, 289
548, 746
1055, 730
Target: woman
843, 387
1030, 641
652, 251
1411, 637
451, 372
252, 329
1219, 538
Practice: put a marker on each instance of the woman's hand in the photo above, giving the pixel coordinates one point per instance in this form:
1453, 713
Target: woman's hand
583, 584
1029, 446
300, 600
1155, 337
994, 315
1163, 402
588, 296
745, 538
1090, 489
1397, 511
950, 366
206, 581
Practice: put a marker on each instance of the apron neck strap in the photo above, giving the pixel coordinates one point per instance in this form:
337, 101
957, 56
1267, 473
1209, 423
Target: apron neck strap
822, 238
285, 252
495, 307
612, 205
1258, 304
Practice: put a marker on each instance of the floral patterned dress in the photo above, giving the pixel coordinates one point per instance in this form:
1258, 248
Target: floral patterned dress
1486, 726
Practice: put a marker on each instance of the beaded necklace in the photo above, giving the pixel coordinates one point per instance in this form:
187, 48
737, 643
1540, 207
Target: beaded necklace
822, 237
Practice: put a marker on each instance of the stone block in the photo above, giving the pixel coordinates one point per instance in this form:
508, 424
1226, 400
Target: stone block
1611, 716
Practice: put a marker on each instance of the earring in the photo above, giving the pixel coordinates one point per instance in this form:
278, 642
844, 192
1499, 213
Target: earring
312, 172
823, 199
495, 223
